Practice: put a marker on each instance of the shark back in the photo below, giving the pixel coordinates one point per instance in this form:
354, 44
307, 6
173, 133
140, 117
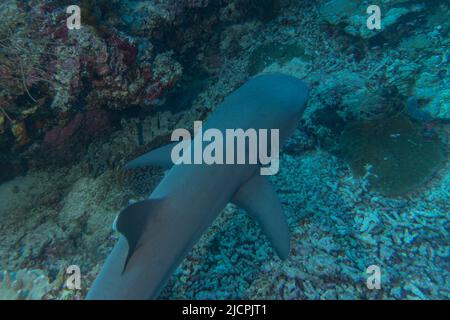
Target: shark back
159, 232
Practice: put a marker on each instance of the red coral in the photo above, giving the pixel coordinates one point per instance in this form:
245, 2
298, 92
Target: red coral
59, 136
83, 127
126, 48
61, 33
97, 121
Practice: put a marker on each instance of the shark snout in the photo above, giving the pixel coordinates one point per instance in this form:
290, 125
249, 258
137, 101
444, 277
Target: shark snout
290, 92
299, 94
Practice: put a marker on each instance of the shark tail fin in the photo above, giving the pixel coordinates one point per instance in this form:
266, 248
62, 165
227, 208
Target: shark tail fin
160, 157
260, 200
132, 221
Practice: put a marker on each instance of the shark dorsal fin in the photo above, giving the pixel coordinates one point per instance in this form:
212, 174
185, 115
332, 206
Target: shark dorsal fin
258, 197
132, 221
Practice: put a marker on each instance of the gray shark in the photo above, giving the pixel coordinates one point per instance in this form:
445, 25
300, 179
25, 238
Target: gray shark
157, 233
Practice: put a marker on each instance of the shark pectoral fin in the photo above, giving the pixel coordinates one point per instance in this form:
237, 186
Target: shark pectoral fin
131, 223
260, 200
160, 157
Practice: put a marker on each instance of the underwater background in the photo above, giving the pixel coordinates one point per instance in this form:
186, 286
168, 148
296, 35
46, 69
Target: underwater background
364, 181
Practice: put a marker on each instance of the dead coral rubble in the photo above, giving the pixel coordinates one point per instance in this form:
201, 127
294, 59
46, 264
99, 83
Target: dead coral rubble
24, 285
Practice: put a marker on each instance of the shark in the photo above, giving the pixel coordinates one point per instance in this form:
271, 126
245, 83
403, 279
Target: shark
156, 234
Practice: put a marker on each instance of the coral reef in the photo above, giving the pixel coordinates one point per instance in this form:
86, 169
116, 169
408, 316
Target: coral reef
24, 285
75, 106
421, 68
54, 79
351, 15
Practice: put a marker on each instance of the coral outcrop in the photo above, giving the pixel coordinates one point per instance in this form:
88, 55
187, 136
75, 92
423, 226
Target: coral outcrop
24, 285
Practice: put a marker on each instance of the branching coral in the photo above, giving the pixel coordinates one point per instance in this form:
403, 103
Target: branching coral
5, 114
20, 61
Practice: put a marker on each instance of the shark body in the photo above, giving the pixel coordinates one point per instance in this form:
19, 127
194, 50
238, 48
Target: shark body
159, 232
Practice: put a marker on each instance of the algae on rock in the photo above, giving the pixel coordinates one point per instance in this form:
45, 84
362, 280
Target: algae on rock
393, 153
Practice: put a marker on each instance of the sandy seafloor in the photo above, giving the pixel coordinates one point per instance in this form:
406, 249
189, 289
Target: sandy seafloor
55, 217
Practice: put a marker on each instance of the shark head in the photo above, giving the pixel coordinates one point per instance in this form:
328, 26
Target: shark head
281, 97
298, 92
290, 92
